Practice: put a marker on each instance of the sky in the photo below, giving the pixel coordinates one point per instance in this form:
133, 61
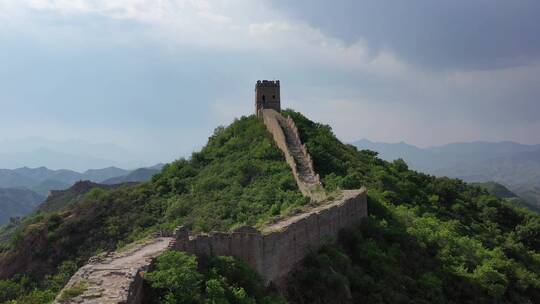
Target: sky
153, 78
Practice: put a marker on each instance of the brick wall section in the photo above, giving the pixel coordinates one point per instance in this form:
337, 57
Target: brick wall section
276, 250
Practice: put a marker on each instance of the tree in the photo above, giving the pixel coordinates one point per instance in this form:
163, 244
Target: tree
177, 278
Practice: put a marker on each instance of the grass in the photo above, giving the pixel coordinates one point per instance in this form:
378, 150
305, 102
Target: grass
74, 291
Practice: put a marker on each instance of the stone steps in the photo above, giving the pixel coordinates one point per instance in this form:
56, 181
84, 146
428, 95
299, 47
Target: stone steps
287, 139
306, 174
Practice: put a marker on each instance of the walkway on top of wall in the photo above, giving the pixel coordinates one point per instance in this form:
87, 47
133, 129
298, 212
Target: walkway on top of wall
114, 277
287, 138
111, 278
275, 250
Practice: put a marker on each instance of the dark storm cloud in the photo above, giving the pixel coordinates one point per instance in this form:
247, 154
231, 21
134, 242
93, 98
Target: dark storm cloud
462, 34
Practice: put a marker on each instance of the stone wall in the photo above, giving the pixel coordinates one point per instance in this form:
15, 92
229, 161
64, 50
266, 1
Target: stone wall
271, 120
116, 277
277, 249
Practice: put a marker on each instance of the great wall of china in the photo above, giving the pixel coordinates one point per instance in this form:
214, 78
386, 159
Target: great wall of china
287, 139
272, 251
278, 248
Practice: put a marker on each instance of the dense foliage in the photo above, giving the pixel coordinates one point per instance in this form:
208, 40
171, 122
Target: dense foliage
427, 240
29, 291
178, 278
239, 178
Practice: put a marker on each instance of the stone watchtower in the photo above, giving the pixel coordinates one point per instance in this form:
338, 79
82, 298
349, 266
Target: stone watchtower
267, 96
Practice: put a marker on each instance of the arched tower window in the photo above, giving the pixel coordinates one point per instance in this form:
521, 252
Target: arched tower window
263, 98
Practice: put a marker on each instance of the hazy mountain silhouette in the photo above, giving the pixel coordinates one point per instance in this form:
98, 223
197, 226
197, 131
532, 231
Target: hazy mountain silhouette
17, 202
77, 155
139, 175
22, 189
514, 165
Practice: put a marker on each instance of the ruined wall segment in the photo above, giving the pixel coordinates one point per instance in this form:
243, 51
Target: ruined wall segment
286, 243
273, 252
278, 248
116, 277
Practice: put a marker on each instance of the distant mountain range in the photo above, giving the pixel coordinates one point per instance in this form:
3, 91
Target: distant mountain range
514, 165
60, 199
22, 189
75, 154
141, 174
17, 202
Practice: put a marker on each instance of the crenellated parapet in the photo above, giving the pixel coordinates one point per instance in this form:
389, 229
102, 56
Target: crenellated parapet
267, 95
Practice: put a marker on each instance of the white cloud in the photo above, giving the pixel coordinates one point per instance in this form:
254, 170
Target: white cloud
250, 25
382, 96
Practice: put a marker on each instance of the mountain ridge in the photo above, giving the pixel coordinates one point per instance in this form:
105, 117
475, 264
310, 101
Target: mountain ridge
515, 165
41, 181
427, 239
17, 203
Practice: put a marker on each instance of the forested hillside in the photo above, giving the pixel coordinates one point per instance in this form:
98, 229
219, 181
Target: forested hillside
240, 177
516, 166
39, 182
427, 240
430, 240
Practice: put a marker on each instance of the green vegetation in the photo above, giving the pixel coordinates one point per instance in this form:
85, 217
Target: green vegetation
427, 240
239, 178
73, 291
27, 290
524, 199
178, 279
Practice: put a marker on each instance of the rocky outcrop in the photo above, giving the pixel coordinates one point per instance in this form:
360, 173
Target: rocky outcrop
287, 138
114, 277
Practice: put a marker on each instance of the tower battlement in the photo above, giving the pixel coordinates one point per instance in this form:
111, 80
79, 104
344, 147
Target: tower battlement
267, 95
267, 83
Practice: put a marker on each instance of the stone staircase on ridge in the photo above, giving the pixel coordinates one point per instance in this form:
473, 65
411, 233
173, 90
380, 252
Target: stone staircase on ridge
287, 138
304, 164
